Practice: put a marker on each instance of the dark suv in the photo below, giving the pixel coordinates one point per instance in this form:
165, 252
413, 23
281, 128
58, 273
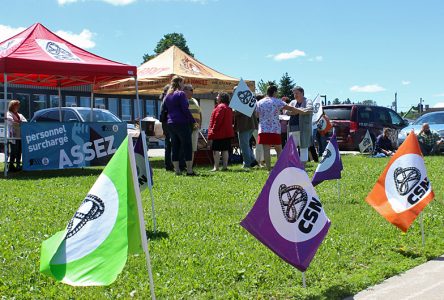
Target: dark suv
351, 122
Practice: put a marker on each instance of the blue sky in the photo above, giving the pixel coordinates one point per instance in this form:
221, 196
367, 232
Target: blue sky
343, 48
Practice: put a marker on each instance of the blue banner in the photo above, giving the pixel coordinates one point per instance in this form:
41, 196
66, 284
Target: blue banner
69, 145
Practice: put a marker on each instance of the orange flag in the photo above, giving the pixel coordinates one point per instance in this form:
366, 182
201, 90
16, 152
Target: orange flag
403, 189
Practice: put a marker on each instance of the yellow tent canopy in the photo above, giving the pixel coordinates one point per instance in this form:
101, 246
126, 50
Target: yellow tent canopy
153, 75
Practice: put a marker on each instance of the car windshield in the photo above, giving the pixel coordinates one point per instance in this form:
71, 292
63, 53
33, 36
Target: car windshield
338, 113
99, 116
431, 119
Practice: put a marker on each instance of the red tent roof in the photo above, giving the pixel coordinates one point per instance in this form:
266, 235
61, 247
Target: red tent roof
37, 56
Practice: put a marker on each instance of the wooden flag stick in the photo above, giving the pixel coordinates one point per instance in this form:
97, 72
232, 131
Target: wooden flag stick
303, 280
422, 228
144, 240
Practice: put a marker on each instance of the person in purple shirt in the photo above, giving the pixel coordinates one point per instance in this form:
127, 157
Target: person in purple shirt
180, 122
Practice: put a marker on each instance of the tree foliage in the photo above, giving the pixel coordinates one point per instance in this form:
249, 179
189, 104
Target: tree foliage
166, 42
286, 85
262, 86
336, 101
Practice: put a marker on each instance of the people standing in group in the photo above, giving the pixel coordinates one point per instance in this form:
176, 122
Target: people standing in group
268, 110
300, 127
283, 119
14, 119
383, 145
220, 131
244, 126
429, 140
323, 126
258, 149
197, 116
164, 120
179, 125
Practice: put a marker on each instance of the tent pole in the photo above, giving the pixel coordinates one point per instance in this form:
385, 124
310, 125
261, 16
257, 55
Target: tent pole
60, 101
139, 110
91, 117
5, 98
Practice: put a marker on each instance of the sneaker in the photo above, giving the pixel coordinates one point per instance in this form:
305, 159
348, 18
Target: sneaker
254, 164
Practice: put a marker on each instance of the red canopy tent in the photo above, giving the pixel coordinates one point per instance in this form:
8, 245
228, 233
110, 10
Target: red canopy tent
38, 57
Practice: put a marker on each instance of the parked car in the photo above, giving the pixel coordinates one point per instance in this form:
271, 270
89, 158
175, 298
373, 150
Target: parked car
351, 122
83, 114
435, 120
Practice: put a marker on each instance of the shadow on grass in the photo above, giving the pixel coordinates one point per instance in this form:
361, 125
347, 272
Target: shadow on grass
338, 292
158, 235
43, 174
407, 253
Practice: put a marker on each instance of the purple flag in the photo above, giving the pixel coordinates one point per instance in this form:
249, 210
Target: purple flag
142, 174
330, 166
288, 217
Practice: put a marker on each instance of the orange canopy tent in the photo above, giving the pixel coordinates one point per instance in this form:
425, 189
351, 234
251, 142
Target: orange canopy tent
153, 75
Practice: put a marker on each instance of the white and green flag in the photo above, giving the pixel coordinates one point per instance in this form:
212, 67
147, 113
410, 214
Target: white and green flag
94, 247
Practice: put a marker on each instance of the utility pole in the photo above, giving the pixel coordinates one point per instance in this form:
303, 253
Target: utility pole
420, 106
325, 99
396, 101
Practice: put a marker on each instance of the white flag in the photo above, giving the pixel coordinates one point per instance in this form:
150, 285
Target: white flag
243, 99
317, 109
366, 143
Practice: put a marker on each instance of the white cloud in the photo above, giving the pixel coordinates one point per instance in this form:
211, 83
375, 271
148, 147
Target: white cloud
112, 2
405, 82
6, 31
370, 88
82, 40
287, 55
439, 95
438, 105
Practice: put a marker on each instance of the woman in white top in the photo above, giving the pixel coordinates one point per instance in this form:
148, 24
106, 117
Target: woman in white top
14, 119
268, 110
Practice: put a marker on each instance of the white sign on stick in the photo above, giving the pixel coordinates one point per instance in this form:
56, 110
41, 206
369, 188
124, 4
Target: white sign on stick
317, 109
243, 99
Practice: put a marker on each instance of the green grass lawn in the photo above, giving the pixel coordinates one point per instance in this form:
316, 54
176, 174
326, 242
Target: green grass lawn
201, 251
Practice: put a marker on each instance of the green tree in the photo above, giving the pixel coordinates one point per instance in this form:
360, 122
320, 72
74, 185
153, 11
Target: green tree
285, 86
369, 102
166, 42
263, 86
336, 101
348, 101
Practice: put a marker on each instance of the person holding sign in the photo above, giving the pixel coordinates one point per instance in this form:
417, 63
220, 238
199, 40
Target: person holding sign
268, 110
220, 130
244, 126
301, 122
383, 145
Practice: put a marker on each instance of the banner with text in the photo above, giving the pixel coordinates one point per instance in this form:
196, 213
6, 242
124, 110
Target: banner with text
69, 145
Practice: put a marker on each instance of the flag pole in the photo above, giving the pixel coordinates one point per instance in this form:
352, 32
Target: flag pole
339, 189
422, 229
141, 219
148, 172
303, 280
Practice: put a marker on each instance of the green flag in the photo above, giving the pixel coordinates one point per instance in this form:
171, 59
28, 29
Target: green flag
94, 247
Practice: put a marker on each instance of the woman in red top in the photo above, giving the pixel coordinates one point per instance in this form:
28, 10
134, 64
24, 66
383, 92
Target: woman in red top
220, 130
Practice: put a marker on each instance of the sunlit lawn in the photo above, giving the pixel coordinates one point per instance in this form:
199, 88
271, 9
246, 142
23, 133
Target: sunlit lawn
201, 252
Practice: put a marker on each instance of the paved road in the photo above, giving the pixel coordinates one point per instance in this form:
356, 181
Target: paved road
425, 282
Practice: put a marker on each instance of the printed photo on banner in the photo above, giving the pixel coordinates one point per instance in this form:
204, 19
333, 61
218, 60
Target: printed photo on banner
243, 99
